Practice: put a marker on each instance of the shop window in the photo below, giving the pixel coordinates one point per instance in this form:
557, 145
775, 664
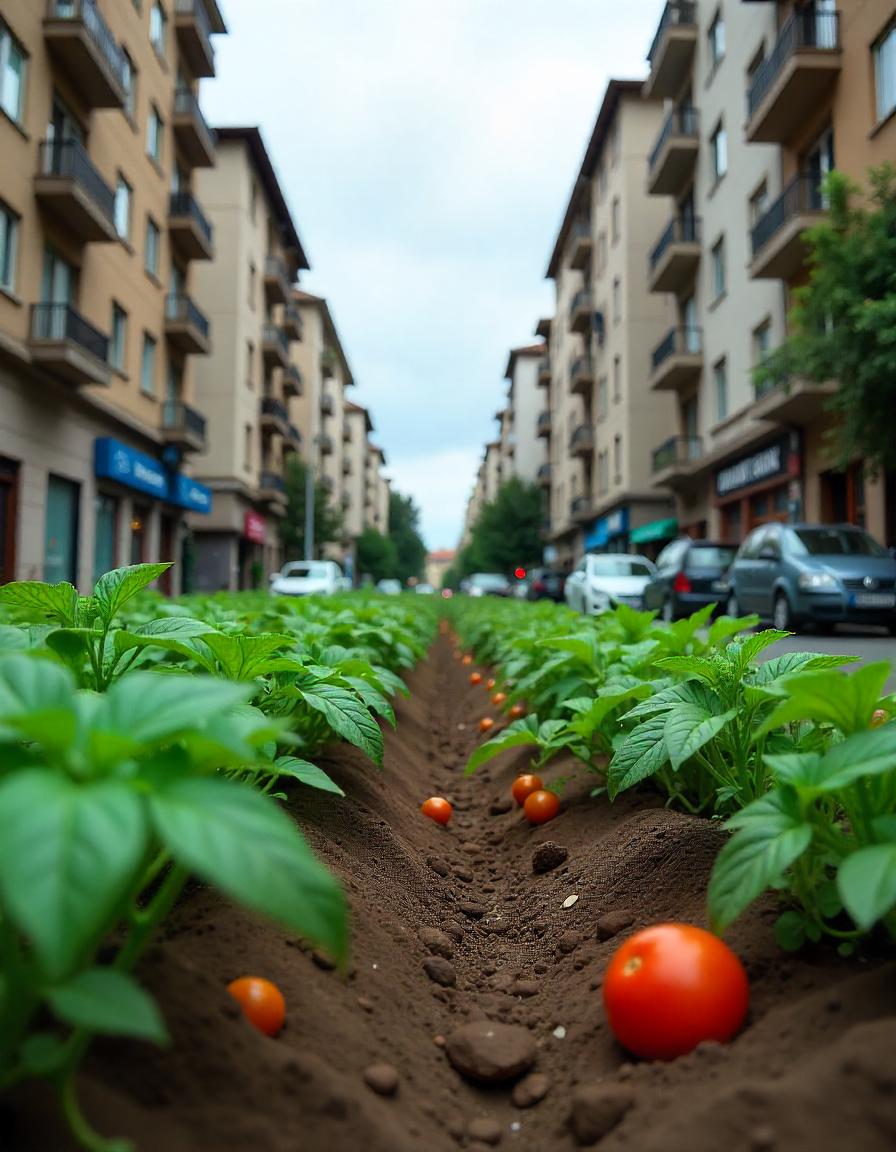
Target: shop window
9, 476
61, 530
139, 522
106, 530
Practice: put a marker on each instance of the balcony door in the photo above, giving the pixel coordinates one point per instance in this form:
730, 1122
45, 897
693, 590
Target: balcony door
819, 161
63, 123
61, 531
689, 323
824, 13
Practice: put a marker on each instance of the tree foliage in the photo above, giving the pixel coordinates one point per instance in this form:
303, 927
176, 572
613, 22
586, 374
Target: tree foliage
327, 519
506, 535
377, 555
404, 532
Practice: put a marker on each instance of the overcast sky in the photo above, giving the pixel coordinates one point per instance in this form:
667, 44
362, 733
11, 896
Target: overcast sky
427, 149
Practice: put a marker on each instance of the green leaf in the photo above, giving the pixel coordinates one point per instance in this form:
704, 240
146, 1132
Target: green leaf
688, 728
689, 668
866, 881
751, 646
373, 699
109, 1002
68, 856
39, 601
871, 752
241, 657
831, 697
780, 666
148, 707
515, 735
306, 772
641, 755
117, 587
236, 838
346, 715
790, 931
724, 627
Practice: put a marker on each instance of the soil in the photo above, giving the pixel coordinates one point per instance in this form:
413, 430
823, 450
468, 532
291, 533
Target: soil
813, 1069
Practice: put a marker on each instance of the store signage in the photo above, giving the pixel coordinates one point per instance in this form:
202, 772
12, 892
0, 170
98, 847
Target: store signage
188, 493
254, 528
765, 464
125, 465
616, 524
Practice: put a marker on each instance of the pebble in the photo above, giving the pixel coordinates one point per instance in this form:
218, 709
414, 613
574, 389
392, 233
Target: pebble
439, 1041
531, 1090
597, 1110
570, 901
473, 911
440, 971
454, 930
486, 1130
612, 923
382, 1078
440, 943
322, 960
559, 1032
525, 988
762, 1138
568, 942
364, 1003
548, 856
438, 866
490, 1053
500, 805
464, 875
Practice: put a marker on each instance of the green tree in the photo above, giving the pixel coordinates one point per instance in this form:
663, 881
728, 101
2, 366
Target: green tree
377, 556
508, 531
327, 519
404, 532
844, 319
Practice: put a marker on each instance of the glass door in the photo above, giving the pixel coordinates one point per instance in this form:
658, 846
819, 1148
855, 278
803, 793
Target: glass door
818, 163
689, 323
106, 526
61, 531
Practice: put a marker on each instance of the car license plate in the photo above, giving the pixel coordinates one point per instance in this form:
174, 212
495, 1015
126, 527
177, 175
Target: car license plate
874, 600
719, 586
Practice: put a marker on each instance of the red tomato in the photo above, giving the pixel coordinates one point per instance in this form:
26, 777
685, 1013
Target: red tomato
490, 684
516, 711
486, 723
468, 659
437, 809
671, 986
475, 677
499, 698
524, 786
541, 806
262, 1003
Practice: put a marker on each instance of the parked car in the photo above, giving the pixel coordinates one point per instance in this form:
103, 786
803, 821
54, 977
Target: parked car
545, 584
488, 584
389, 587
821, 574
424, 589
688, 577
308, 578
600, 583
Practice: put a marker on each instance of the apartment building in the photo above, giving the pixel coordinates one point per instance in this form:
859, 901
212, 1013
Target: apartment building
245, 384
522, 450
102, 231
377, 489
601, 420
357, 428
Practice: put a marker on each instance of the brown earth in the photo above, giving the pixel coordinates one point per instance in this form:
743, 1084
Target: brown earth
814, 1069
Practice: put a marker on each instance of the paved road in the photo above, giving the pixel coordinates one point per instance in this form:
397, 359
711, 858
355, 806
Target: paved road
869, 644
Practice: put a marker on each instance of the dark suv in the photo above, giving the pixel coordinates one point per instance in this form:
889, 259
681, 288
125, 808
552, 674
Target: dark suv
545, 584
689, 576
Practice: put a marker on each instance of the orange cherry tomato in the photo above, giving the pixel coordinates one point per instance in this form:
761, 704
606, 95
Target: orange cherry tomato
516, 711
437, 809
475, 677
878, 717
499, 698
524, 786
262, 1003
670, 987
541, 806
486, 724
490, 684
468, 659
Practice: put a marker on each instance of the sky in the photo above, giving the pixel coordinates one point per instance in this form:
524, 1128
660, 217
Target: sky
427, 149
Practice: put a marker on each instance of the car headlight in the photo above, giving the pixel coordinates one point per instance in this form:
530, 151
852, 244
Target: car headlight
817, 582
601, 599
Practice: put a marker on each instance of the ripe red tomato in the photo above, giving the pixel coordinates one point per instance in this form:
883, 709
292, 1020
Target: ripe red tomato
516, 711
490, 684
499, 698
671, 986
262, 1003
541, 806
486, 724
475, 678
524, 786
437, 809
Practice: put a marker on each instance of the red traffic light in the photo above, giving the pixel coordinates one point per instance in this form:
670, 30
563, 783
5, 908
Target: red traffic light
520, 573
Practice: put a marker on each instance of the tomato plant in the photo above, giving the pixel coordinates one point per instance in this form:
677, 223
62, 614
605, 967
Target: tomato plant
261, 1001
437, 808
541, 806
524, 786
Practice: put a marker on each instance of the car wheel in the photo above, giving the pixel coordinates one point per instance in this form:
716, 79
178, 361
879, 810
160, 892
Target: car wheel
732, 608
667, 612
782, 616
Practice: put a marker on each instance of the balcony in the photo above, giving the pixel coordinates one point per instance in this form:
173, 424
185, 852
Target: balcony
274, 416
346, 501
66, 344
793, 82
276, 280
672, 50
543, 424
328, 363
183, 426
191, 233
328, 484
674, 155
676, 459
675, 258
581, 443
544, 372
272, 490
347, 467
346, 433
580, 509
580, 244
68, 186
326, 444
778, 237
580, 311
274, 346
326, 404
791, 399
543, 477
194, 36
186, 326
581, 376
293, 384
292, 441
677, 360
194, 137
82, 46
292, 322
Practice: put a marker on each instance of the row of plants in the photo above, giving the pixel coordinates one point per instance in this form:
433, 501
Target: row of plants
796, 758
144, 741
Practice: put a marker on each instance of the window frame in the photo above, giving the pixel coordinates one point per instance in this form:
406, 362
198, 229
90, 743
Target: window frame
9, 40
149, 342
717, 253
152, 229
887, 37
720, 388
160, 44
715, 56
118, 364
9, 253
155, 132
122, 183
719, 133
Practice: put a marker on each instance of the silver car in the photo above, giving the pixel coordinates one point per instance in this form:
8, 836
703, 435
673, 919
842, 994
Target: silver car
600, 583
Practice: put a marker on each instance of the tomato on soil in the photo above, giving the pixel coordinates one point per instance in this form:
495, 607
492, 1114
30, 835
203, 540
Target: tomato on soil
490, 684
468, 659
524, 786
671, 986
262, 1003
499, 698
486, 724
541, 806
475, 678
438, 809
516, 711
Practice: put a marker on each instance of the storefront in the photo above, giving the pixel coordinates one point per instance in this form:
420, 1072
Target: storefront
759, 488
650, 539
237, 546
609, 533
251, 548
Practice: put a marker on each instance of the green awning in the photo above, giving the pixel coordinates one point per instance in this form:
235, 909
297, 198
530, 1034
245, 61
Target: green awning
655, 530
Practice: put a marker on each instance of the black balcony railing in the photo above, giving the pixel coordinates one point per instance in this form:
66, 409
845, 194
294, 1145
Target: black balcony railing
677, 341
675, 12
294, 434
196, 10
544, 422
582, 438
677, 450
805, 29
581, 301
183, 204
180, 417
681, 121
802, 194
680, 230
68, 159
272, 482
86, 12
581, 368
274, 334
186, 104
544, 472
182, 310
271, 406
61, 322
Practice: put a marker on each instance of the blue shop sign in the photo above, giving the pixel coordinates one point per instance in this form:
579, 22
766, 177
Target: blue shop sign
603, 530
188, 493
116, 461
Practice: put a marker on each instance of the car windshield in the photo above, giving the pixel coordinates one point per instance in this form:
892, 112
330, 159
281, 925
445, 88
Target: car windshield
619, 566
488, 580
834, 542
312, 570
710, 557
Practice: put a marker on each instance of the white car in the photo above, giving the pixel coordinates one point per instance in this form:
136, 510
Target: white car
389, 587
424, 589
600, 583
308, 578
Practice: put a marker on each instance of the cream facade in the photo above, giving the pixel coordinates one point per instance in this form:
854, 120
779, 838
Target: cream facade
523, 451
101, 234
357, 428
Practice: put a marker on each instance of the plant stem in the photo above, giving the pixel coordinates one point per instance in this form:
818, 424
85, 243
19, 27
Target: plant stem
82, 1130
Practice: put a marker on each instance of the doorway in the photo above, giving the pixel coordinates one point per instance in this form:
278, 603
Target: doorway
61, 531
9, 484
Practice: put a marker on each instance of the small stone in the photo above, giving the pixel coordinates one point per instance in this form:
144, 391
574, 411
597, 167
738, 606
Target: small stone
531, 1090
364, 1003
612, 923
471, 910
559, 1032
490, 1053
762, 1138
438, 866
485, 1129
440, 971
548, 856
454, 930
439, 1041
464, 875
568, 942
597, 1110
322, 960
437, 942
525, 988
382, 1079
500, 805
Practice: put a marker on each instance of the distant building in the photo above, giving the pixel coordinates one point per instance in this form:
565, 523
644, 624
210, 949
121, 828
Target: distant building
437, 564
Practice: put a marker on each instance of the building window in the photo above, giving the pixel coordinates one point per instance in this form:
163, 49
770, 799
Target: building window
720, 379
716, 37
719, 149
718, 269
153, 243
119, 338
247, 448
602, 398
12, 74
617, 459
129, 75
250, 364
253, 276
158, 27
601, 254
123, 208
9, 242
154, 132
148, 365
603, 471
758, 204
617, 300
762, 341
617, 379
614, 222
885, 73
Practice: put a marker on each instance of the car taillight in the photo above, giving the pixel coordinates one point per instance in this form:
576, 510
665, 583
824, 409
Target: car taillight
539, 586
681, 583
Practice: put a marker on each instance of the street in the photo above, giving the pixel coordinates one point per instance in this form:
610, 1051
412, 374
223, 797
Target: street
867, 643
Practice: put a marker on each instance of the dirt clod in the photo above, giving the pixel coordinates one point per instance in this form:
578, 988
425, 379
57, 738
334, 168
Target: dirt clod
612, 923
530, 1090
440, 971
568, 942
548, 856
471, 910
439, 943
382, 1079
596, 1110
500, 805
486, 1130
490, 1053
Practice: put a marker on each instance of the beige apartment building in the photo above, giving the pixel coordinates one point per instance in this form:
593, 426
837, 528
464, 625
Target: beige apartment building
522, 449
601, 419
245, 384
357, 427
102, 231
